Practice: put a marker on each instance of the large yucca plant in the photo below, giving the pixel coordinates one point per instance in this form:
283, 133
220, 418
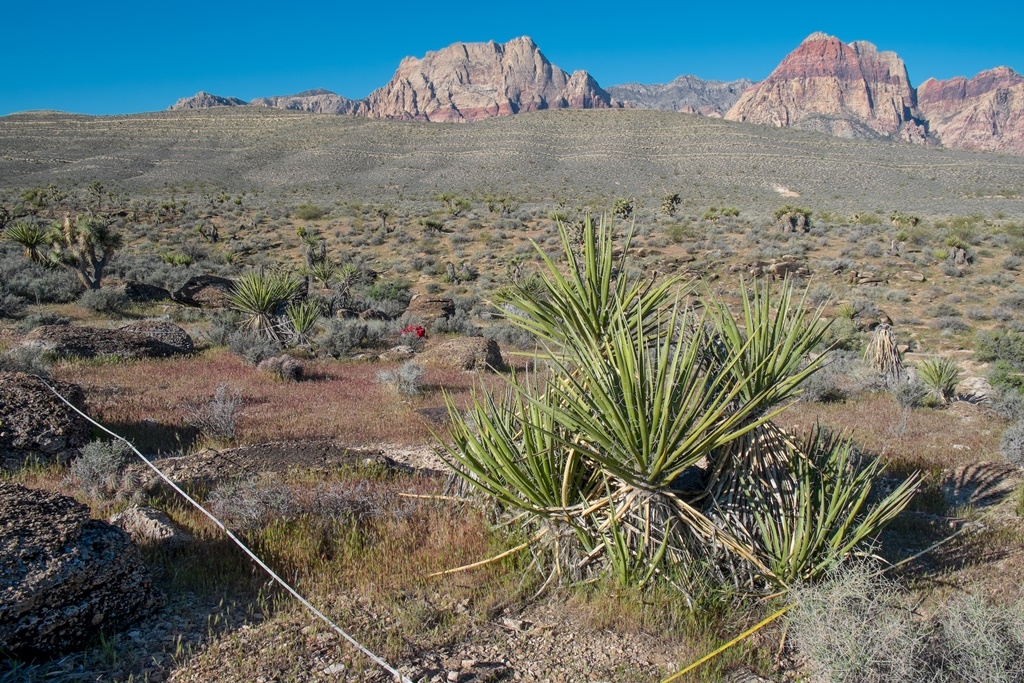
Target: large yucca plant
595, 455
259, 296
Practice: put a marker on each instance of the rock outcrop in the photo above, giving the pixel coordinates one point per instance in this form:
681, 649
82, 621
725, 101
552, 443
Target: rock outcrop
849, 90
204, 100
205, 291
317, 101
64, 576
464, 353
473, 81
90, 342
426, 308
983, 113
35, 424
687, 94
168, 333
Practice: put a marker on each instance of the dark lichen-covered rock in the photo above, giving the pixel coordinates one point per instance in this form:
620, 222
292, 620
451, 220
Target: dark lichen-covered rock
89, 342
205, 291
35, 424
168, 333
64, 576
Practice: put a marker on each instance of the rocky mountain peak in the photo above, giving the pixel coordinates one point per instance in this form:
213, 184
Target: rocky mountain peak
202, 100
472, 81
850, 90
985, 112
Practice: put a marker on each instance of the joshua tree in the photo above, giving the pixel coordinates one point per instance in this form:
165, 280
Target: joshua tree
84, 246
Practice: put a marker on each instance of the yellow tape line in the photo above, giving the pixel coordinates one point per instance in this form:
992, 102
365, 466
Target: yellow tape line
745, 634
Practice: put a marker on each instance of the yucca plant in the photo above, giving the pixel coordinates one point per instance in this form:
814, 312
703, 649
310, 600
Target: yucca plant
33, 239
259, 296
883, 355
821, 516
303, 317
641, 392
940, 375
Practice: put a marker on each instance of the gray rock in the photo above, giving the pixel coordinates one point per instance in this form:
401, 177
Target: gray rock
35, 424
64, 576
149, 526
168, 333
90, 342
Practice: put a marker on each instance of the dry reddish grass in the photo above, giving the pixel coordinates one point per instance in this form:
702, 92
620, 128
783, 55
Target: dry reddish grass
929, 439
341, 400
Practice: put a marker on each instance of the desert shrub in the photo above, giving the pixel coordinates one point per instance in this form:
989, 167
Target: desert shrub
33, 282
216, 419
510, 335
982, 643
872, 250
246, 504
909, 393
458, 323
406, 379
222, 325
338, 338
31, 322
98, 470
1013, 299
10, 304
854, 627
1008, 405
309, 212
27, 359
1012, 444
999, 345
842, 376
106, 300
1012, 262
252, 347
951, 324
865, 308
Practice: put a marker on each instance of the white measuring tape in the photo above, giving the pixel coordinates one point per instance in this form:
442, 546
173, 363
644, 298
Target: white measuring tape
377, 660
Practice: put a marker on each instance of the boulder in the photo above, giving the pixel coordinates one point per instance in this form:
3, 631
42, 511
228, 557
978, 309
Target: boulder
426, 309
90, 342
149, 526
912, 276
168, 333
283, 367
64, 576
138, 291
35, 424
205, 291
464, 353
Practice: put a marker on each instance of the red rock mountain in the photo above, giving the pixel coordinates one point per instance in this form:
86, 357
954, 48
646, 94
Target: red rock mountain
849, 90
473, 81
982, 113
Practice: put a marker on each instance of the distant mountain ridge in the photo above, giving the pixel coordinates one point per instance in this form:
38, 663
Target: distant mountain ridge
849, 90
687, 94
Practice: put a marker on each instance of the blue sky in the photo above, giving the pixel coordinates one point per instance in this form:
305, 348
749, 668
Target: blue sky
109, 57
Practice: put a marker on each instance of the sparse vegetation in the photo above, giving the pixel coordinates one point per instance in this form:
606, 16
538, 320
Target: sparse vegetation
485, 235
